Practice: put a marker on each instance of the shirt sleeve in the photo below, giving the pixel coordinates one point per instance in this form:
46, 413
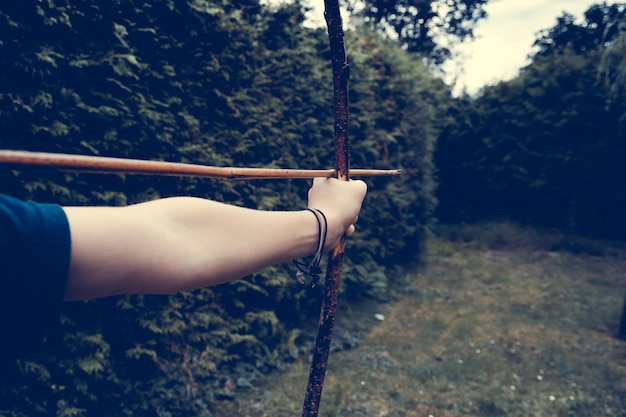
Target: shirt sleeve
34, 266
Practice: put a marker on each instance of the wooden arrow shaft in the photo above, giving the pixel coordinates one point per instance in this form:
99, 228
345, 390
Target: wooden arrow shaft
107, 165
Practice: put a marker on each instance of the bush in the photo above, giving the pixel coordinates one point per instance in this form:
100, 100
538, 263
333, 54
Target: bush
217, 83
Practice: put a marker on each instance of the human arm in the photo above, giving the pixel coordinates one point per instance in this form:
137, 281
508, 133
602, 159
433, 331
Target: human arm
183, 243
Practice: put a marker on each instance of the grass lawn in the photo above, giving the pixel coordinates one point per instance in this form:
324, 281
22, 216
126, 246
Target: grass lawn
479, 332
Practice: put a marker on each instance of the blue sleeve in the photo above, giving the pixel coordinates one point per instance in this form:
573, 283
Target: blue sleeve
34, 266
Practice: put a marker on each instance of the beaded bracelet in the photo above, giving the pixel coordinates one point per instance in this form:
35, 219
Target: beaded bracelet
313, 269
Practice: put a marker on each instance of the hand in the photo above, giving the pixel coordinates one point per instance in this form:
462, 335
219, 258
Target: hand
340, 201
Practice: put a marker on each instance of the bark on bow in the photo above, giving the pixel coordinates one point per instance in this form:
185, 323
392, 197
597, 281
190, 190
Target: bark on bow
341, 75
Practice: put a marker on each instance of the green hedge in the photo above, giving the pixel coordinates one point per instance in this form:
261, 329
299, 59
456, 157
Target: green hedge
545, 149
210, 82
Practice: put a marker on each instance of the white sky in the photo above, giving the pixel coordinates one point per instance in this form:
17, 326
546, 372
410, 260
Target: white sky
503, 40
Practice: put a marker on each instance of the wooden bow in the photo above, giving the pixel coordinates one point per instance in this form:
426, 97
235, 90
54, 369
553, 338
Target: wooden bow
341, 75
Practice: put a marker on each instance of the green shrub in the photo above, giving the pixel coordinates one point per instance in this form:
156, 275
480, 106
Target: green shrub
209, 82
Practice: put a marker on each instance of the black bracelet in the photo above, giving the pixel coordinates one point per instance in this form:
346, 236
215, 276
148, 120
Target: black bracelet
313, 269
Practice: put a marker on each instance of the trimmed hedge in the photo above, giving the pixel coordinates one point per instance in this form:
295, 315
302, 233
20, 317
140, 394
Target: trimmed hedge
210, 82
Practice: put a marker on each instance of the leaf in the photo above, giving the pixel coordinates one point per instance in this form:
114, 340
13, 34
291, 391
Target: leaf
90, 365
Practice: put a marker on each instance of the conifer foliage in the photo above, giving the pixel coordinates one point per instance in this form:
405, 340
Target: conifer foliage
219, 82
546, 148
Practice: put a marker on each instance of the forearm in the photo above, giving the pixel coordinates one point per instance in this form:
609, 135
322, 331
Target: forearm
183, 243
178, 244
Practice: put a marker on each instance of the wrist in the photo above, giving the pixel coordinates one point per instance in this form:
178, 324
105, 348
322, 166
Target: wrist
312, 268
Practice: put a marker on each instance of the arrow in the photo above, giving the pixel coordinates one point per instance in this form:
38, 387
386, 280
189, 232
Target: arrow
108, 165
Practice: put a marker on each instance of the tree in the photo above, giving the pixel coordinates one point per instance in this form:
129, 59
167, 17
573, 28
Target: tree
420, 25
547, 147
601, 25
613, 64
544, 148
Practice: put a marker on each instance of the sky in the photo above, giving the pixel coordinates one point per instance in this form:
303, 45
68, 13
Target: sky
503, 40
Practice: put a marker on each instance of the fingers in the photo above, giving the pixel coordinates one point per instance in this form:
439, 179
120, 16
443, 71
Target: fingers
343, 193
352, 228
358, 186
340, 201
